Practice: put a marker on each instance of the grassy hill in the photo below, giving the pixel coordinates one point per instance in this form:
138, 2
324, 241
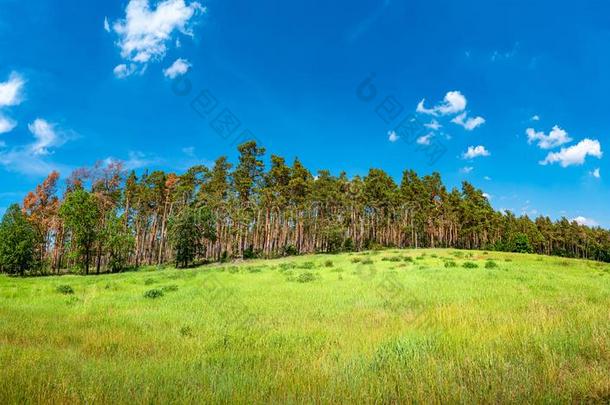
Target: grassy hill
384, 327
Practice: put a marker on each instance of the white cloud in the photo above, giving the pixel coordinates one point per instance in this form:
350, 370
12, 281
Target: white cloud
11, 90
535, 118
453, 103
20, 160
178, 68
555, 138
466, 170
425, 139
580, 220
122, 71
106, 24
468, 123
433, 125
6, 124
145, 33
30, 159
487, 178
488, 196
135, 160
45, 137
475, 151
595, 173
392, 136
576, 154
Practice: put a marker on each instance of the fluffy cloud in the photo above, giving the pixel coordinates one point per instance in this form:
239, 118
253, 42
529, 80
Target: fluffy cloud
178, 68
122, 71
535, 118
11, 90
6, 124
45, 136
11, 94
106, 24
466, 170
30, 159
576, 154
468, 123
453, 103
595, 173
585, 221
475, 151
145, 33
392, 136
425, 139
555, 138
135, 160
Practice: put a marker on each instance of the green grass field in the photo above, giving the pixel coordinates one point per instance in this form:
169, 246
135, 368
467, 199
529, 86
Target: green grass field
376, 327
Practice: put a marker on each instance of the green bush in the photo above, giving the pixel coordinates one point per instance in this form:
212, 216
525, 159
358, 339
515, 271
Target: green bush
64, 289
408, 259
307, 265
169, 288
356, 260
290, 250
490, 264
306, 277
329, 263
450, 263
367, 261
250, 253
254, 269
186, 331
153, 294
233, 269
470, 265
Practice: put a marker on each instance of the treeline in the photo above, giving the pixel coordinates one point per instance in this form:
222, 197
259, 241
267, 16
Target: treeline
105, 220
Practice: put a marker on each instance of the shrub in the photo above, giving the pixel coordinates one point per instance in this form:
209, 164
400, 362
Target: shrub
254, 269
490, 264
233, 269
367, 261
290, 250
307, 265
356, 260
329, 263
470, 265
348, 245
169, 288
64, 289
224, 257
286, 266
250, 253
153, 294
408, 259
186, 331
450, 263
391, 259
306, 277
149, 281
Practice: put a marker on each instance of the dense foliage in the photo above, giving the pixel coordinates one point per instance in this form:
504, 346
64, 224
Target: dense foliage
251, 210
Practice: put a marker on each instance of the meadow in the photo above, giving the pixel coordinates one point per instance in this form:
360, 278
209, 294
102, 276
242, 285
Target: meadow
390, 326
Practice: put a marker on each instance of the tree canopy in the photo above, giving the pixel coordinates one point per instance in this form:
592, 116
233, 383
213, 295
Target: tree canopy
252, 209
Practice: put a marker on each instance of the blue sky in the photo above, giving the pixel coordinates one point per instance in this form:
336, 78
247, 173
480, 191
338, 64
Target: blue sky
515, 92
